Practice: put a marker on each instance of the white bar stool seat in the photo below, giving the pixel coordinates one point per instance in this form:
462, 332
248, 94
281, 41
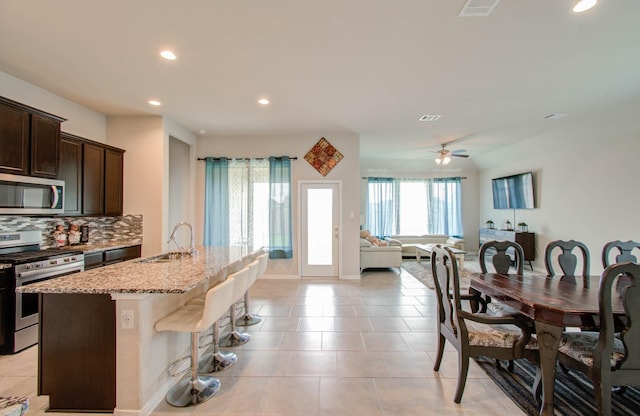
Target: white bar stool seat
195, 318
248, 319
235, 337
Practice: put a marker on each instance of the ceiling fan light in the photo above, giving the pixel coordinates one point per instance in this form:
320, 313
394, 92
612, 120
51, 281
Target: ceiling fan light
446, 160
584, 5
438, 160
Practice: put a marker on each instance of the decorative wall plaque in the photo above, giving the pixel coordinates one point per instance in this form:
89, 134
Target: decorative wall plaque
323, 156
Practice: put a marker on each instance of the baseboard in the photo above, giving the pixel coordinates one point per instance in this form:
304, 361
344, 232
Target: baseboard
351, 277
296, 277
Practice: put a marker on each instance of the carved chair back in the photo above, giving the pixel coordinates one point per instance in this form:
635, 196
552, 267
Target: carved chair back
447, 284
501, 260
567, 260
625, 251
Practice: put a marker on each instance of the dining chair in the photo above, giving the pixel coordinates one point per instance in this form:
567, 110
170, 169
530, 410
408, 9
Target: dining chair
566, 259
472, 334
625, 252
606, 357
501, 260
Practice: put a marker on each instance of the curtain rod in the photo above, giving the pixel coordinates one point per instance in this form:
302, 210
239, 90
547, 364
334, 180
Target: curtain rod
247, 158
417, 179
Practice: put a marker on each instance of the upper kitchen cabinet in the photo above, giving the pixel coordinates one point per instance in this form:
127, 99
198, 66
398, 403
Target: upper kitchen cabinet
93, 179
30, 140
93, 174
71, 173
113, 181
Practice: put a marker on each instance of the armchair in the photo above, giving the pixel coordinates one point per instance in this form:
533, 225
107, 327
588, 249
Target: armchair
607, 358
472, 334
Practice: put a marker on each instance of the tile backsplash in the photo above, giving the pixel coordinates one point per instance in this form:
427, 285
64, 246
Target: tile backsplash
101, 229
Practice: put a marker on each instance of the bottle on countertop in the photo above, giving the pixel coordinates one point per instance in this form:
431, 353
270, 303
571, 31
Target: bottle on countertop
84, 234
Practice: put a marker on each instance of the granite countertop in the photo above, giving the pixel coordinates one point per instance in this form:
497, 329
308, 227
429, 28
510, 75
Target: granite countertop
143, 276
94, 247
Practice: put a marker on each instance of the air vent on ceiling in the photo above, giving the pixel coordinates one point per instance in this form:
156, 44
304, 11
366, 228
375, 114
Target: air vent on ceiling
474, 8
430, 117
554, 116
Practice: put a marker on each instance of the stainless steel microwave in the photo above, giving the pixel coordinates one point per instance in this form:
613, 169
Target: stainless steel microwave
29, 195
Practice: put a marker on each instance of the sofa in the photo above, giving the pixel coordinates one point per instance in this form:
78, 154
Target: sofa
408, 242
379, 256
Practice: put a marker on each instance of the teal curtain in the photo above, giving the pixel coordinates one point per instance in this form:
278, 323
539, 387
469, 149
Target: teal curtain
380, 206
216, 202
445, 206
280, 233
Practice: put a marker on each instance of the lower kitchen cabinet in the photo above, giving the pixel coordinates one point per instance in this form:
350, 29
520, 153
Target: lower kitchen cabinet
77, 348
106, 257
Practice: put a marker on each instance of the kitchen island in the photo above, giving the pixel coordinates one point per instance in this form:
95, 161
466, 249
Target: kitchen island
98, 350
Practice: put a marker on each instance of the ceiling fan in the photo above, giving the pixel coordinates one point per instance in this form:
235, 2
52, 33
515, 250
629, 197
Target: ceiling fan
445, 155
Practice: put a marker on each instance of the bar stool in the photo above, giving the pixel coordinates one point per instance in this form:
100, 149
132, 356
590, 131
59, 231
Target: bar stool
248, 319
195, 318
236, 338
219, 360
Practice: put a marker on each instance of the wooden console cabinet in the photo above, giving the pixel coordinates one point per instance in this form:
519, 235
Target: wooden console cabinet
526, 240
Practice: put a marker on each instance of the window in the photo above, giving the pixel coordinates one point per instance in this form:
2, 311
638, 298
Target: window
414, 206
247, 203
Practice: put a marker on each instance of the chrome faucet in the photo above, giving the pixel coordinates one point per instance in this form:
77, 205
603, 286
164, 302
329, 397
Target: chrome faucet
192, 249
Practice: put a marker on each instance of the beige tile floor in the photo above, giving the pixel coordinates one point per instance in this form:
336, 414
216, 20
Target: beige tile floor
328, 347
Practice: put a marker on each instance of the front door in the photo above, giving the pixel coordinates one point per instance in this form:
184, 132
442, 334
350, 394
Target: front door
319, 229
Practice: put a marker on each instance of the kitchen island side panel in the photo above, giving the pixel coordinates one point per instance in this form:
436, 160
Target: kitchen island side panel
77, 347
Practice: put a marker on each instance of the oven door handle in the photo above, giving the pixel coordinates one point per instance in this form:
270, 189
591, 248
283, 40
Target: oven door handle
23, 277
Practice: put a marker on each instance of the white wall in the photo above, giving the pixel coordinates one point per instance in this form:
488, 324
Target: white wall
142, 137
81, 121
347, 171
586, 181
420, 169
179, 185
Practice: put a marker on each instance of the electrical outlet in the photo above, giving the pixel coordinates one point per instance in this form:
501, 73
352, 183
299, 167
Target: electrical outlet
126, 319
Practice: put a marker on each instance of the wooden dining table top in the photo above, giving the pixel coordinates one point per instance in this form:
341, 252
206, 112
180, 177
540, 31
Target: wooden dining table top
556, 300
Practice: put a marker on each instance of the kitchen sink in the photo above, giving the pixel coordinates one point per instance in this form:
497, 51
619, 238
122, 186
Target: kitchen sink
165, 257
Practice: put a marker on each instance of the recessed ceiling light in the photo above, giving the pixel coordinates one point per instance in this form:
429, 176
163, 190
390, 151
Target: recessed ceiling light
263, 101
203, 131
584, 5
168, 55
154, 103
430, 117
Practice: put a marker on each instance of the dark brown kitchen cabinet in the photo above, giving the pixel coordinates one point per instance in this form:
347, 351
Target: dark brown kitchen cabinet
45, 146
93, 179
77, 347
113, 181
93, 260
71, 173
14, 140
115, 255
30, 140
93, 174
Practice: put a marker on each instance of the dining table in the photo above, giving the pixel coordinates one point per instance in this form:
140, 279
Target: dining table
553, 303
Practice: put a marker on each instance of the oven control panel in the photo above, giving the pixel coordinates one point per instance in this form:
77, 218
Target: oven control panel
59, 263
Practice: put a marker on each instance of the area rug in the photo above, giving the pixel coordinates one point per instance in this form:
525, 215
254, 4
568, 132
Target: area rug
422, 272
573, 392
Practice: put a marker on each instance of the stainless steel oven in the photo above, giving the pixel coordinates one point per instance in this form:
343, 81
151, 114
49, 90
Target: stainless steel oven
27, 264
27, 303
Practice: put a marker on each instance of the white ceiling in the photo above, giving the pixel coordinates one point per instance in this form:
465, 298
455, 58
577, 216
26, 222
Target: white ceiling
370, 67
